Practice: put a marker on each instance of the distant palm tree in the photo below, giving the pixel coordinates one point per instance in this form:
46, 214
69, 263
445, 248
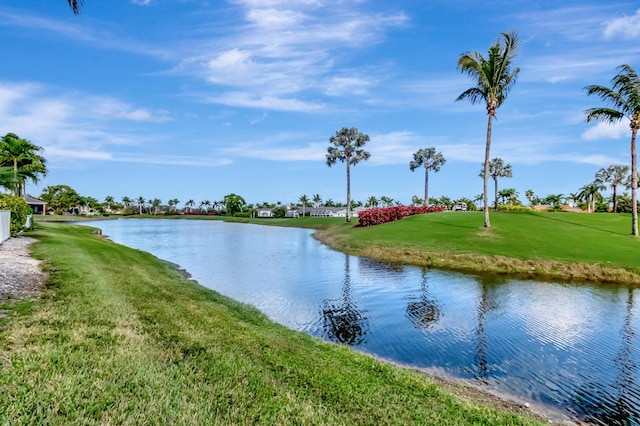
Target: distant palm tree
494, 78
108, 200
304, 200
141, 202
317, 200
590, 193
416, 201
372, 202
624, 97
615, 176
347, 147
189, 205
126, 201
155, 204
387, 201
431, 160
497, 169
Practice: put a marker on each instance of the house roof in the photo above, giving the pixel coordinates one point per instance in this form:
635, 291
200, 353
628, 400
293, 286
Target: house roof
31, 200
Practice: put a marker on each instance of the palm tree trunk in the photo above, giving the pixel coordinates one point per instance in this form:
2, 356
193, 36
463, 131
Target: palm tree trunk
348, 191
615, 205
426, 187
634, 185
487, 152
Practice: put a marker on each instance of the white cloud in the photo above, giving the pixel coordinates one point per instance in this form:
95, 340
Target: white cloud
607, 131
627, 27
247, 99
141, 2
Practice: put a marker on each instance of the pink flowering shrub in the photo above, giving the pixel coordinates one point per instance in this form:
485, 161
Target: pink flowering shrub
388, 214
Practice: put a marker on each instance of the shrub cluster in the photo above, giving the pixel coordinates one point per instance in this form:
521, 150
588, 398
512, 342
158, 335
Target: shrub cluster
19, 212
388, 214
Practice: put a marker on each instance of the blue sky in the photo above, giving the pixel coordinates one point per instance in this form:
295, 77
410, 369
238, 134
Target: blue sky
195, 99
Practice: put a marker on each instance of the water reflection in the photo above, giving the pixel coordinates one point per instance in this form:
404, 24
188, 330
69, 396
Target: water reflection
616, 404
423, 311
487, 302
344, 322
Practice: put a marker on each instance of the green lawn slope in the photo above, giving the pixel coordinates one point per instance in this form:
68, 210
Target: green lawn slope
565, 246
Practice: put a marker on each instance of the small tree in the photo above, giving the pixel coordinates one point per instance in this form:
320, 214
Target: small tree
497, 169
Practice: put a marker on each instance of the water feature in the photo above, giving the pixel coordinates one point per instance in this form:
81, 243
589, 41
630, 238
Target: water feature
571, 347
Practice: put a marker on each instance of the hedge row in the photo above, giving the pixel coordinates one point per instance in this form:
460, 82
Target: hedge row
388, 214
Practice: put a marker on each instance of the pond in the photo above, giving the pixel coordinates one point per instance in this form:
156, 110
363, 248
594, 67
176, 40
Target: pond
572, 348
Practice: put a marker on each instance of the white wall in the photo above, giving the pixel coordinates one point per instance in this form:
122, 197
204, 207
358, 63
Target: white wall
5, 217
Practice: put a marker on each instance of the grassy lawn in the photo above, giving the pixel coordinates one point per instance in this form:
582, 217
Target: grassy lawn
122, 338
578, 246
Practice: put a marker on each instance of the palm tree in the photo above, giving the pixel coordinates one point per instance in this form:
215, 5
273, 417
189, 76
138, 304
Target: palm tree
108, 200
624, 98
431, 160
387, 201
155, 203
372, 202
304, 200
497, 169
614, 175
126, 201
189, 204
24, 160
141, 202
494, 78
590, 193
508, 195
347, 147
416, 201
317, 200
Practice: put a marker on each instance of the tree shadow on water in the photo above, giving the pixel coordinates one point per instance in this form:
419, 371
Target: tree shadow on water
343, 321
423, 311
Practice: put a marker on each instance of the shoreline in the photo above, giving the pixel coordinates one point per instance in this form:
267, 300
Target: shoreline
503, 266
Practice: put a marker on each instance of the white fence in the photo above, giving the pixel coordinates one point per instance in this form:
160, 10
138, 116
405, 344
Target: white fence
5, 218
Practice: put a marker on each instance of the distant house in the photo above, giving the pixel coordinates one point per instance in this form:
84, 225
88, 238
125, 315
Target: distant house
264, 212
292, 214
38, 206
333, 211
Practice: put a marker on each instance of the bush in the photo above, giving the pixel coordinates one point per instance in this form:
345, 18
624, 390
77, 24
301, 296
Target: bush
279, 212
514, 208
388, 214
241, 214
20, 210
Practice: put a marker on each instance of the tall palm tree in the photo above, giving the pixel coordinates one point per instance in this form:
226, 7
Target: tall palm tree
614, 175
494, 78
497, 169
304, 200
25, 161
317, 200
431, 160
189, 204
624, 98
347, 147
126, 201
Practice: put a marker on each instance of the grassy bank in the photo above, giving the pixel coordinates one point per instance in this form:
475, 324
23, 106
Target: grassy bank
564, 246
123, 338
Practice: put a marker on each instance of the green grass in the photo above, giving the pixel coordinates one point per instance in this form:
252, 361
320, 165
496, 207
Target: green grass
577, 246
122, 338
